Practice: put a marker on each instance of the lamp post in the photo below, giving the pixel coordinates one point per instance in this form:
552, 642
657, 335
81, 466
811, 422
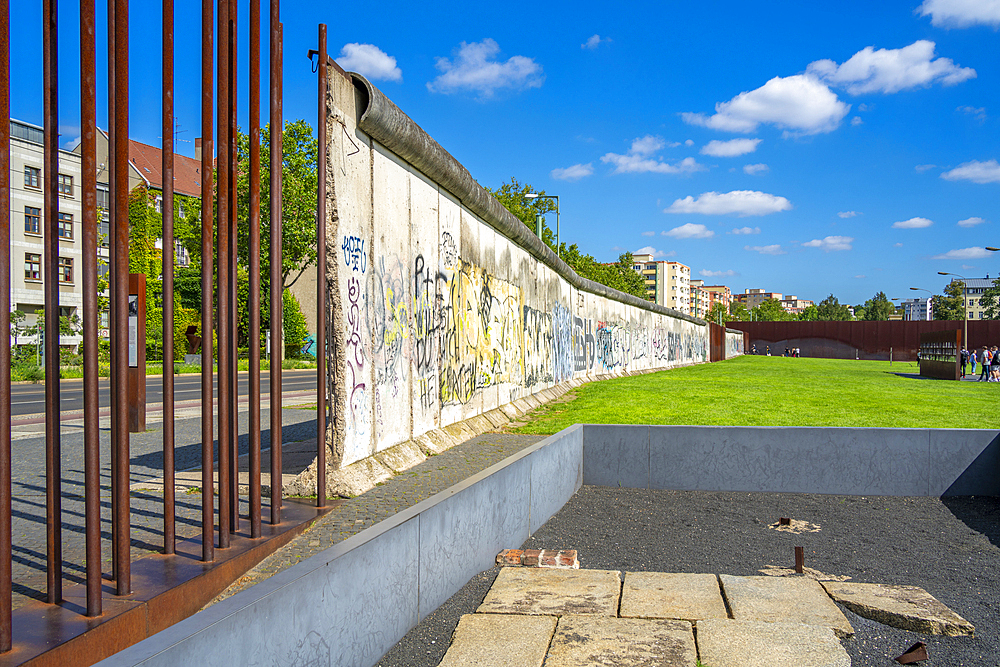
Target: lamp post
965, 305
532, 195
921, 289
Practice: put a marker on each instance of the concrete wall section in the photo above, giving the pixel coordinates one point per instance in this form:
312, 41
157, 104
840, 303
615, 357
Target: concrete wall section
443, 308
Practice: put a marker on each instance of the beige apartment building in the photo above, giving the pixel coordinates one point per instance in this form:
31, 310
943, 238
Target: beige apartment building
718, 294
701, 299
794, 305
751, 298
667, 283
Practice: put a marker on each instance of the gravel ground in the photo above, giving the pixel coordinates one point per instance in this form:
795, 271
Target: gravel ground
950, 547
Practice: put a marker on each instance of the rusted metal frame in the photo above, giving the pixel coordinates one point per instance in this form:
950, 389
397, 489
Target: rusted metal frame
254, 253
91, 419
6, 550
207, 245
222, 244
321, 275
50, 274
167, 169
112, 302
275, 259
234, 434
119, 294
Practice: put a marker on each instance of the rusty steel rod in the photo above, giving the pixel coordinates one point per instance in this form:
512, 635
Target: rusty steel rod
91, 419
50, 275
119, 294
222, 252
167, 169
6, 549
275, 261
234, 454
321, 276
112, 302
254, 287
207, 245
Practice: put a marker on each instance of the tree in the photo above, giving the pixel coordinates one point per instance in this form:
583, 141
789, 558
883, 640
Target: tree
717, 313
990, 301
738, 312
512, 196
16, 322
771, 311
808, 314
948, 306
877, 308
830, 309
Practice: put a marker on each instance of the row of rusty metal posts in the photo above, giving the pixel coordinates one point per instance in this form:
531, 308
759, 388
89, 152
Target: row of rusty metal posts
218, 281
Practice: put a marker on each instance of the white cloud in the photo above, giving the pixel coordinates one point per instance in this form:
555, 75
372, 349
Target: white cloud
968, 266
717, 274
979, 113
475, 67
573, 173
746, 230
740, 202
799, 104
831, 243
640, 159
689, 142
891, 70
650, 250
730, 148
594, 41
975, 171
371, 61
961, 13
897, 245
856, 121
766, 249
754, 169
913, 223
861, 276
690, 231
964, 253
848, 214
649, 233
971, 222
921, 168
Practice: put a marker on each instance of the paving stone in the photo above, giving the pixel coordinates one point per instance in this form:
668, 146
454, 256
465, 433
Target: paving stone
593, 640
500, 640
905, 607
553, 592
783, 600
689, 597
758, 644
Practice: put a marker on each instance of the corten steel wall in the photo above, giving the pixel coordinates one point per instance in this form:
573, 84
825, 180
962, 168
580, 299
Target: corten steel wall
861, 340
934, 368
444, 305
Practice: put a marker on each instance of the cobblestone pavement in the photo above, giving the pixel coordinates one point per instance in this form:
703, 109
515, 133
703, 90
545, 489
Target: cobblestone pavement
404, 490
28, 496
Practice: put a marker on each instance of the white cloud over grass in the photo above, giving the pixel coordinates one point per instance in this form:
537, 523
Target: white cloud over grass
641, 158
971, 222
961, 13
799, 104
369, 60
717, 274
738, 202
913, 223
891, 70
754, 169
731, 148
475, 67
766, 249
975, 171
831, 243
964, 253
746, 230
690, 231
573, 173
650, 250
848, 214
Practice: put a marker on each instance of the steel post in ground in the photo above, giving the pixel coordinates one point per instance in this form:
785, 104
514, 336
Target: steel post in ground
234, 454
254, 287
222, 252
207, 244
321, 275
167, 167
6, 546
112, 302
275, 259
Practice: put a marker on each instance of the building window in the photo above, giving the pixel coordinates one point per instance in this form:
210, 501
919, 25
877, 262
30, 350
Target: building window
66, 225
103, 198
32, 177
103, 233
32, 220
65, 270
103, 270
180, 252
65, 185
32, 266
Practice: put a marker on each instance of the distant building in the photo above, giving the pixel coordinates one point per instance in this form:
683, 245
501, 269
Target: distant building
794, 305
667, 283
917, 310
974, 288
751, 298
701, 299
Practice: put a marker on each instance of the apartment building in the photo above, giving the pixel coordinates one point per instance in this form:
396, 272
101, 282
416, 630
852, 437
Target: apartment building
974, 288
794, 305
751, 298
27, 185
701, 299
718, 294
667, 283
917, 310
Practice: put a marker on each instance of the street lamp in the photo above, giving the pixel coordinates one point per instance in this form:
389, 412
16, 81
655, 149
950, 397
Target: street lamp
532, 195
965, 305
993, 249
921, 289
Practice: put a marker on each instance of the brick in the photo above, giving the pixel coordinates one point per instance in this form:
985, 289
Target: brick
509, 557
530, 557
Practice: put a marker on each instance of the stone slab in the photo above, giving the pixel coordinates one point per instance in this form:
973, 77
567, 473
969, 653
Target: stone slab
906, 607
689, 597
553, 592
783, 600
401, 457
758, 644
500, 640
595, 640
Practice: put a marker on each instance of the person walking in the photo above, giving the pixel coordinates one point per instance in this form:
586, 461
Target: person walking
972, 359
965, 360
995, 364
985, 360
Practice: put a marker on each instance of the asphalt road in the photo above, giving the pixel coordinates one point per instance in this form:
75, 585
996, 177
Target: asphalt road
29, 399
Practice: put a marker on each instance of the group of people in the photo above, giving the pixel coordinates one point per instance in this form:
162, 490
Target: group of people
789, 351
988, 359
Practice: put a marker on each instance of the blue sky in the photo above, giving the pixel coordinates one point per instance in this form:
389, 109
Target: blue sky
846, 148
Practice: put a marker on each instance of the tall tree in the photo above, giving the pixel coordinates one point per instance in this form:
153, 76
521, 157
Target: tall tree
830, 309
948, 306
771, 311
808, 314
717, 313
738, 312
877, 308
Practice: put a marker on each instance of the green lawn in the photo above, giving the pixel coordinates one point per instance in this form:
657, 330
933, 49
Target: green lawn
778, 391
